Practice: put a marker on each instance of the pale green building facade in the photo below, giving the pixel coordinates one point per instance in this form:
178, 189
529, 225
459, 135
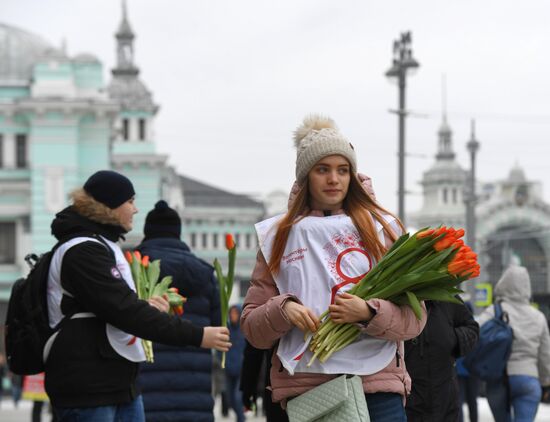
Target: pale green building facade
60, 121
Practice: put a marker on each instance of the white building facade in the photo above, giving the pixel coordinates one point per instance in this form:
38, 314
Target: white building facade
513, 220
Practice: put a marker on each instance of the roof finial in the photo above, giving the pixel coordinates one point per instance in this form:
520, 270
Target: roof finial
444, 96
124, 11
64, 46
124, 29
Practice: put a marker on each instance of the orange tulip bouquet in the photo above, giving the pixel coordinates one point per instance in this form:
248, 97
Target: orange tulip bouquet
226, 281
428, 265
146, 275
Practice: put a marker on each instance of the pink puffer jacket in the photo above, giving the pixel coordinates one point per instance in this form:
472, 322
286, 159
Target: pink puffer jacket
263, 322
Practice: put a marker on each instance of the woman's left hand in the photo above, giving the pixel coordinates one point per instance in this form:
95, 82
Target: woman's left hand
349, 308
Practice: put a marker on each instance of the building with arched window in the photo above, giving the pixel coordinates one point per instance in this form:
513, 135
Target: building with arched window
60, 122
513, 220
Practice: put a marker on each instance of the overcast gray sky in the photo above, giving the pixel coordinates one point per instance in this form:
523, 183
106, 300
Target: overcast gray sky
234, 78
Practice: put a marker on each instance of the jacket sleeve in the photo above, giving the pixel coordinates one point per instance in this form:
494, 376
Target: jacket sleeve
263, 320
544, 355
87, 273
466, 329
393, 322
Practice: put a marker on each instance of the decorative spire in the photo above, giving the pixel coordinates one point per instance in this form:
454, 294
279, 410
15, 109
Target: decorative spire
125, 47
124, 29
444, 96
445, 143
64, 46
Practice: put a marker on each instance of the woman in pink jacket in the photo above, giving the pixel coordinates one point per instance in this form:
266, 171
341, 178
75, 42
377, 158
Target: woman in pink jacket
332, 235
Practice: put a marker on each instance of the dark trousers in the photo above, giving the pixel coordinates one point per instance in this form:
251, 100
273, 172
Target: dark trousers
234, 396
37, 411
386, 407
273, 411
469, 390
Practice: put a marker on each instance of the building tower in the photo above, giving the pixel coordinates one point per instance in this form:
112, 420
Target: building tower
442, 184
133, 148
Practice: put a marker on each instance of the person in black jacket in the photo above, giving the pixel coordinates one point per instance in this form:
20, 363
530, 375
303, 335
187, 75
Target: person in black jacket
255, 378
92, 361
177, 386
450, 332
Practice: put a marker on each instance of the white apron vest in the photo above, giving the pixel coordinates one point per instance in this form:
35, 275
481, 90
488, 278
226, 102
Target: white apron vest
126, 345
324, 256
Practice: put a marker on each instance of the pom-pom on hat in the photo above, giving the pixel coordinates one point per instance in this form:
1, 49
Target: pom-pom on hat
110, 188
318, 137
162, 221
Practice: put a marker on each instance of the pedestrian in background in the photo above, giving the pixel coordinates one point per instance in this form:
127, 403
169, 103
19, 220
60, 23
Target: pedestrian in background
178, 385
92, 365
3, 373
234, 363
16, 382
255, 380
450, 332
516, 397
219, 383
468, 384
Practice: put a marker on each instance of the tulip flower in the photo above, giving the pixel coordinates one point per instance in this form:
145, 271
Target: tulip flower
145, 261
226, 281
229, 241
427, 265
146, 278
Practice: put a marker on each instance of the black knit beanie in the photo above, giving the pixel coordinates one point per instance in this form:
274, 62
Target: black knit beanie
162, 221
110, 188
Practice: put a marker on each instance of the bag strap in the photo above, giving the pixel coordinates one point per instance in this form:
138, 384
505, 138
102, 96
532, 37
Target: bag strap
94, 236
500, 313
498, 310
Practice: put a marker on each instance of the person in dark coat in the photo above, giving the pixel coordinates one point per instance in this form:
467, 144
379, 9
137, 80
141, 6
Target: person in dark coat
93, 362
450, 332
468, 385
178, 385
234, 362
254, 380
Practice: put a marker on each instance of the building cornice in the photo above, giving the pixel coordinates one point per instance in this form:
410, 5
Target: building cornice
135, 160
66, 106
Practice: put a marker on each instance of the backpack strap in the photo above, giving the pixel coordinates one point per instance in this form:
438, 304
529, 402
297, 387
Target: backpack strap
71, 315
500, 314
498, 310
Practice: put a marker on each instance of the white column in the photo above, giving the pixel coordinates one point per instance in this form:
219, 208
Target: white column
134, 129
53, 189
9, 151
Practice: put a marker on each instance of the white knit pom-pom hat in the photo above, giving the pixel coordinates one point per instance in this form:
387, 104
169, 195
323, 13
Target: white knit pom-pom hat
318, 137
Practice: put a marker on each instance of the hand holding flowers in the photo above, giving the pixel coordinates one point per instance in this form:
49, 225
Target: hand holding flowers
428, 265
158, 294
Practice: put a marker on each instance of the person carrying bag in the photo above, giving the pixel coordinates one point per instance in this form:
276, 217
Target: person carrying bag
515, 395
333, 233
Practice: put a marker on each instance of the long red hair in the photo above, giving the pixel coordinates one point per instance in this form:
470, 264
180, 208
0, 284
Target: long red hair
360, 207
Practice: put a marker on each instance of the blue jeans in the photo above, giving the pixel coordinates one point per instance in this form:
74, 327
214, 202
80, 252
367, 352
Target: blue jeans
386, 407
129, 412
525, 394
234, 395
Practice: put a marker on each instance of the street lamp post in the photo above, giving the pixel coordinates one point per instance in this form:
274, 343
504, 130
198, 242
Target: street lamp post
470, 200
402, 62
